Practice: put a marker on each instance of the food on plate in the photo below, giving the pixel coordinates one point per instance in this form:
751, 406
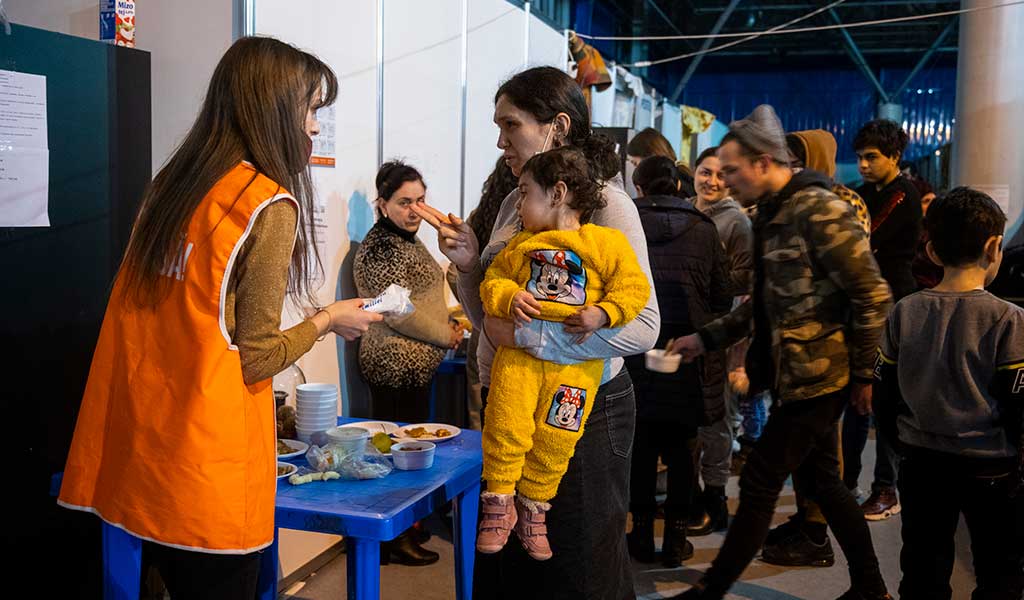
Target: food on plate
286, 423
382, 442
283, 448
284, 470
308, 477
418, 432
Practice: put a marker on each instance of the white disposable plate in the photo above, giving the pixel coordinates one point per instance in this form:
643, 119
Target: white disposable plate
300, 449
375, 426
292, 469
400, 433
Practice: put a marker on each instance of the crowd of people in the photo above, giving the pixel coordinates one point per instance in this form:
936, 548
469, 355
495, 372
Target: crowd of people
802, 310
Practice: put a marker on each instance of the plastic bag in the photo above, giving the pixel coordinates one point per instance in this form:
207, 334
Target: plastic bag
370, 464
392, 302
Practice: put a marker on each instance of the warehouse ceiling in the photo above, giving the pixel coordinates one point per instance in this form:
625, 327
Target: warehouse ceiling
898, 45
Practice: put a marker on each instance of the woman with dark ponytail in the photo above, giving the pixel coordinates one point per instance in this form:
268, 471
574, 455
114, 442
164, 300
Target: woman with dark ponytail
692, 283
536, 110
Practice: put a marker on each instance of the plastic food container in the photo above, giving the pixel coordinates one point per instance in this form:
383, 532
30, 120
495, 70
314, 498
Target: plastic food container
655, 360
412, 456
351, 439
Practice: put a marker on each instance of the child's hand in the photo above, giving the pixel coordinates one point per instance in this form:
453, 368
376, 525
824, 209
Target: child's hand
585, 322
524, 306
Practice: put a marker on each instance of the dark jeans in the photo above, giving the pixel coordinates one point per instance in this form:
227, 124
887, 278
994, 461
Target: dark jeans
674, 444
203, 576
411, 405
855, 438
805, 487
797, 433
935, 488
587, 520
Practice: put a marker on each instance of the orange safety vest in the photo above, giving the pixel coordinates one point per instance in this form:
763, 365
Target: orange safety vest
171, 445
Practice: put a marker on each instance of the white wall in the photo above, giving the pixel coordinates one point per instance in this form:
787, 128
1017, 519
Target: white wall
183, 51
74, 17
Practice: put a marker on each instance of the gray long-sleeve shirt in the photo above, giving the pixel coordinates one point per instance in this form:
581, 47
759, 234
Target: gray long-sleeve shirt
547, 340
949, 349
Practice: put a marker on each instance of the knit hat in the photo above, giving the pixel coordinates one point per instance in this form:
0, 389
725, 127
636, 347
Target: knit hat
762, 132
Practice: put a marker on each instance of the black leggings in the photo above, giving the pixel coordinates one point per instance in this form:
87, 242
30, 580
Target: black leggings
191, 575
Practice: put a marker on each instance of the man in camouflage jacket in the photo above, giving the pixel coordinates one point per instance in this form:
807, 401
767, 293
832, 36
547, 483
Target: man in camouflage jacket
818, 308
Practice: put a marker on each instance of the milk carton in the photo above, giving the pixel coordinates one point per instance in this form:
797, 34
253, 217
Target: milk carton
117, 22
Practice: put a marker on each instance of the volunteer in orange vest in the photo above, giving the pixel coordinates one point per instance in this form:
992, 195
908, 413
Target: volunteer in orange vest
175, 441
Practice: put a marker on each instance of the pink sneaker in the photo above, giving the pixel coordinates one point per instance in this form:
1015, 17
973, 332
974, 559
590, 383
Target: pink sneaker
498, 517
532, 528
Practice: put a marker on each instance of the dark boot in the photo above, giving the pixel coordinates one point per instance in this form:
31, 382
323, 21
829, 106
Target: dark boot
699, 523
405, 551
675, 548
640, 540
716, 506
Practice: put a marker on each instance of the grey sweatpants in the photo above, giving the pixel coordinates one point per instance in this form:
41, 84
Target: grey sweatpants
716, 444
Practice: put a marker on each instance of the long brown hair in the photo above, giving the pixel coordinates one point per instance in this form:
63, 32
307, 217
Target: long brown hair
255, 110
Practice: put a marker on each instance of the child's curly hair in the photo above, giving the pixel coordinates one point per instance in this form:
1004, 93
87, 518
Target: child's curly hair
568, 165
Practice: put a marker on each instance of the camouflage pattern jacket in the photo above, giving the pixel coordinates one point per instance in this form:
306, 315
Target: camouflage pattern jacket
819, 302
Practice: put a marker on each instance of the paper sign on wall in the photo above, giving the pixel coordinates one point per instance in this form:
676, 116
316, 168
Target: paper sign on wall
24, 151
323, 143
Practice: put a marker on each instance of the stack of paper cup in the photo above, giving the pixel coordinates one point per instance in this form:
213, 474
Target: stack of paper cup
316, 409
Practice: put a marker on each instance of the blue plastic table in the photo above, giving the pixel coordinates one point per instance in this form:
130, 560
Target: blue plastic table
365, 512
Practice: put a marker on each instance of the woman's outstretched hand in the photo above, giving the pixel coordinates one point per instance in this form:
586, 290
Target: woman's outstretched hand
454, 236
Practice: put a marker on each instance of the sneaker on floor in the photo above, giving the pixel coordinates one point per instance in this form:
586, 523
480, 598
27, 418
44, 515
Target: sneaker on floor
786, 530
881, 505
798, 550
497, 518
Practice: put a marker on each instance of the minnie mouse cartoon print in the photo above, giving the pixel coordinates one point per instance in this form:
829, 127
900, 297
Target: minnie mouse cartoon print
557, 276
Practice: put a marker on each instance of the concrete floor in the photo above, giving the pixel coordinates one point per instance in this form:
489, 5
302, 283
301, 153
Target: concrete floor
760, 581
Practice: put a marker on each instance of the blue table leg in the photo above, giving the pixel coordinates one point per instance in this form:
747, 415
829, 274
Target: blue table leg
122, 564
363, 560
267, 586
464, 534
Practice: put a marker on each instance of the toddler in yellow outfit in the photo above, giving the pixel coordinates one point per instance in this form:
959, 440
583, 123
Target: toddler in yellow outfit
557, 269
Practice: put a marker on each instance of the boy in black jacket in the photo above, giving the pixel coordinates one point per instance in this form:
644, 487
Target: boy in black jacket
950, 388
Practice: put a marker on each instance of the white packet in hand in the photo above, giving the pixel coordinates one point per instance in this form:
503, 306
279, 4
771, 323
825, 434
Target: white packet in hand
392, 302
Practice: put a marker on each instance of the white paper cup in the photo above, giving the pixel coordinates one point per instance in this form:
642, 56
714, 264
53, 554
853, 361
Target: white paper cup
655, 360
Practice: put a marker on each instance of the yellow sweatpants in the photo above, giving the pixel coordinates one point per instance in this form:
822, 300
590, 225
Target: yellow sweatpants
535, 414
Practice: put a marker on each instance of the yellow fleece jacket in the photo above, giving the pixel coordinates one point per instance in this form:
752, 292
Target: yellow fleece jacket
567, 270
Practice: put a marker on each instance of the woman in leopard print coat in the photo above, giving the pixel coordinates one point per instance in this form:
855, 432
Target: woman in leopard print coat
399, 356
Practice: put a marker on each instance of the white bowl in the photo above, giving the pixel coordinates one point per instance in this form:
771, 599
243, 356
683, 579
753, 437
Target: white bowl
655, 360
314, 427
317, 410
351, 439
412, 456
315, 388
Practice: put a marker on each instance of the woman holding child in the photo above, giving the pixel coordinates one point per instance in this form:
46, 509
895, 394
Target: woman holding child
537, 110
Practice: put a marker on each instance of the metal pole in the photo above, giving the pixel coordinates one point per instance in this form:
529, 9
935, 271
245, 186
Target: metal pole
463, 81
526, 34
692, 67
380, 83
858, 58
924, 59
